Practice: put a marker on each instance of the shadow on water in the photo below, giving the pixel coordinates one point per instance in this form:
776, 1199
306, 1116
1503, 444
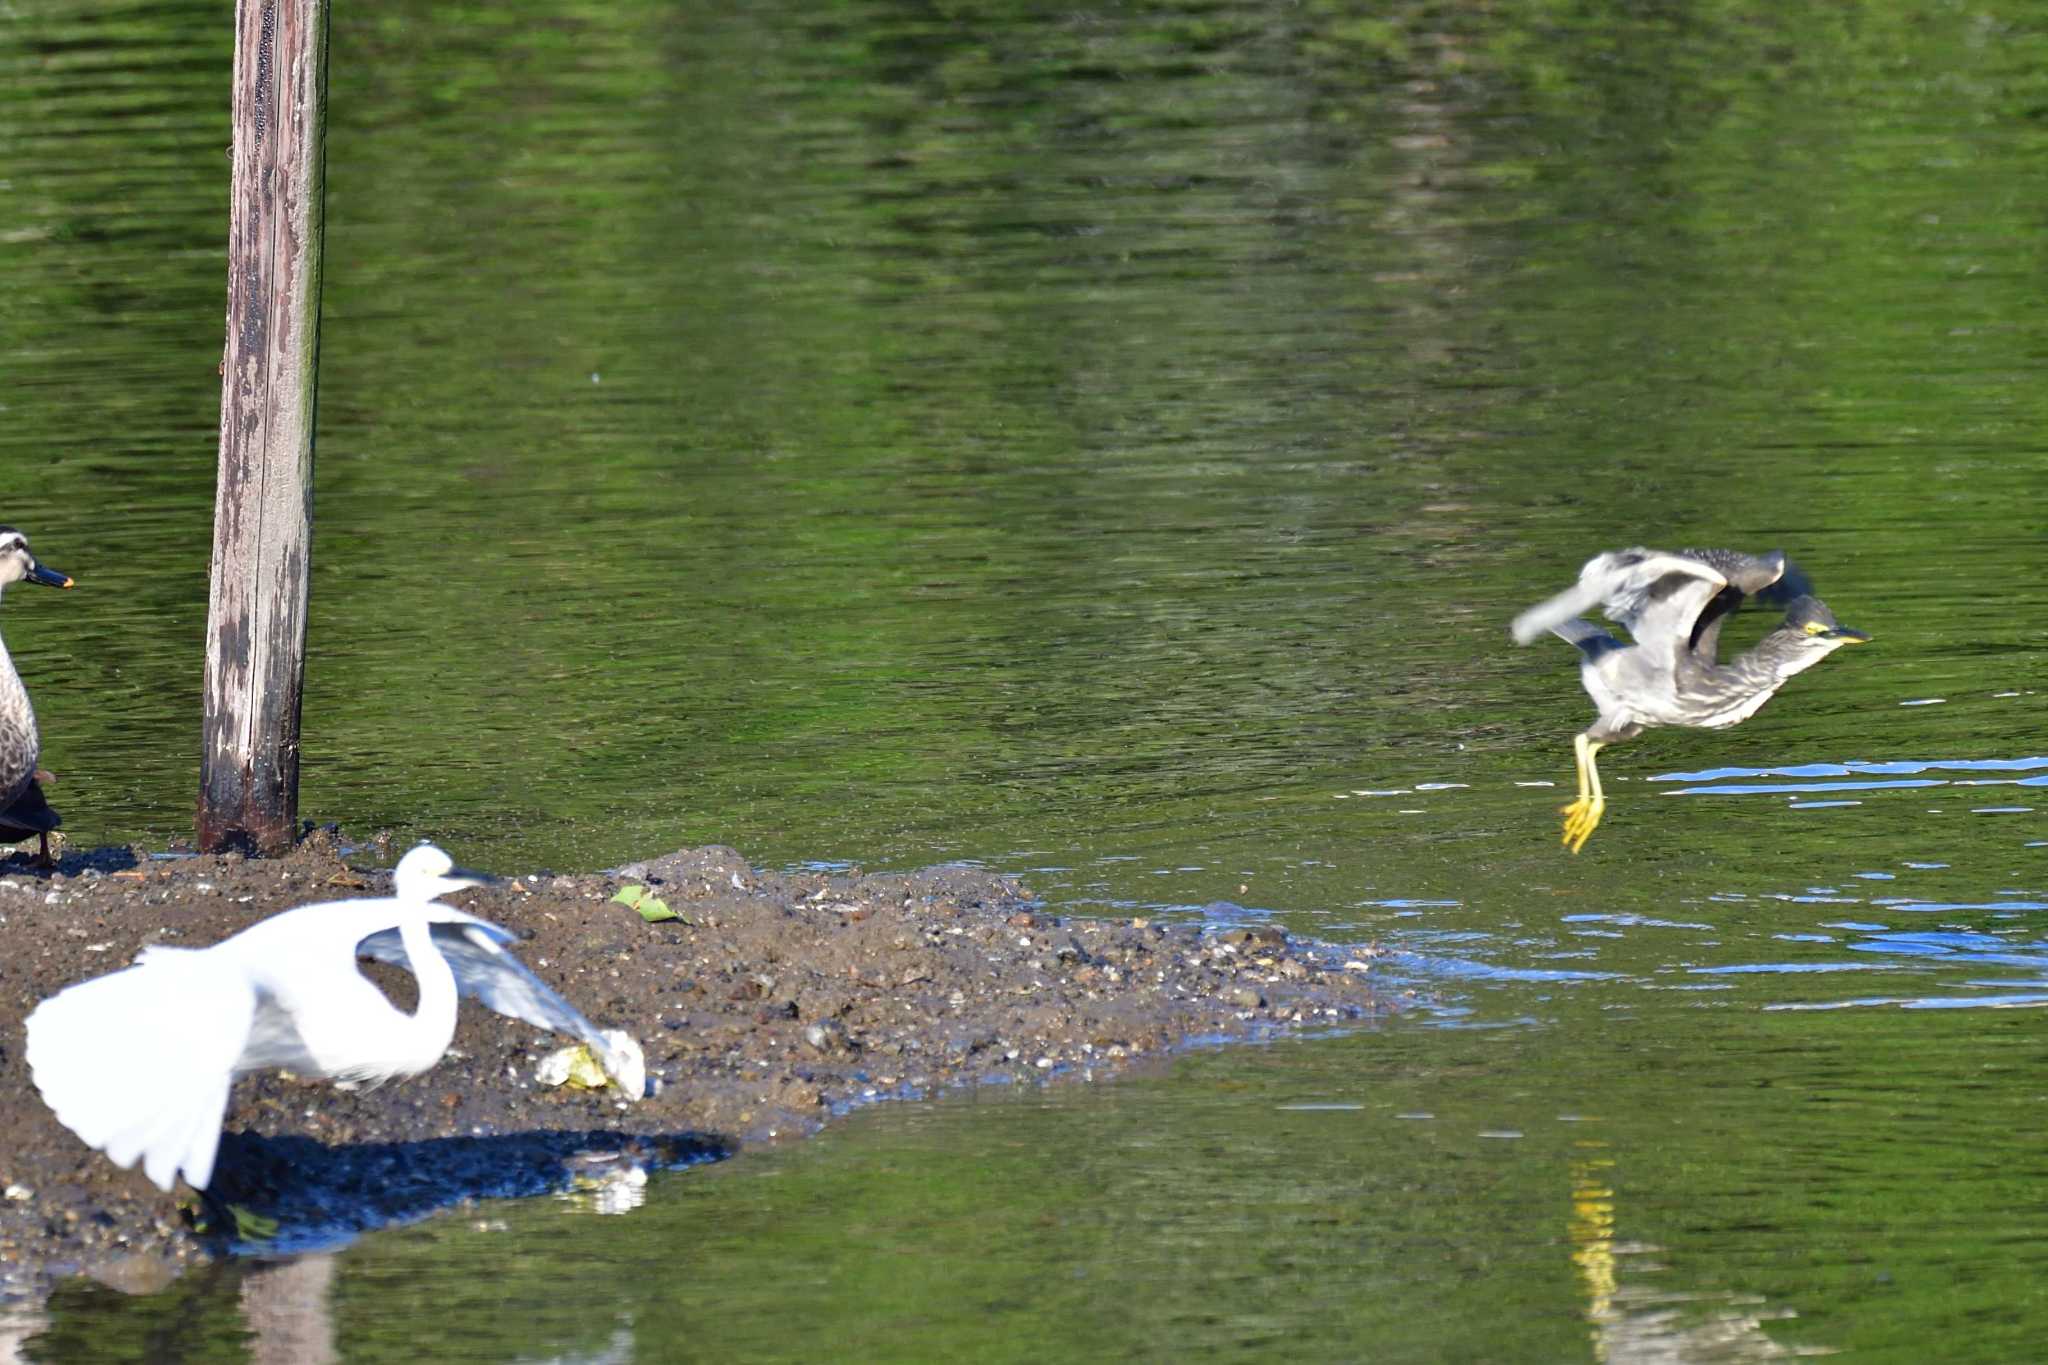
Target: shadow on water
286, 1194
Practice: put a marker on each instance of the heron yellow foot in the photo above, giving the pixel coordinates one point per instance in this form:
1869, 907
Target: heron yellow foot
1581, 817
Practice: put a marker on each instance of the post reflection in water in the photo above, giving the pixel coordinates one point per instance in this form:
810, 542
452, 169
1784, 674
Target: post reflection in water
18, 1327
286, 1309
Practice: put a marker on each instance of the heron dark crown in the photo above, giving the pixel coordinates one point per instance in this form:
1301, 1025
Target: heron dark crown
1809, 611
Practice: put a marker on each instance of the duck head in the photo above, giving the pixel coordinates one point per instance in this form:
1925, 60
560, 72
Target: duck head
18, 565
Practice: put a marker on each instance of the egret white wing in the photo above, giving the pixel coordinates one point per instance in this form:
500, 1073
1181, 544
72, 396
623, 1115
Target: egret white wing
138, 1062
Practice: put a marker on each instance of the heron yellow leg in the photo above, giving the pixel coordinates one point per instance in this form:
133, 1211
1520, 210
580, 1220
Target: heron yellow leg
1582, 816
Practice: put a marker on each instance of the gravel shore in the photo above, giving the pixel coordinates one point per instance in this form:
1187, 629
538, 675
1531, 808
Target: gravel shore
773, 1003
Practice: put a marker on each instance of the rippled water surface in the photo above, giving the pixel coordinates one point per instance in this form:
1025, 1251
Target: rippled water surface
1108, 445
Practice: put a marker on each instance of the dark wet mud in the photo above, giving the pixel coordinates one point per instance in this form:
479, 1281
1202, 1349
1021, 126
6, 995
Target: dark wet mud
775, 1002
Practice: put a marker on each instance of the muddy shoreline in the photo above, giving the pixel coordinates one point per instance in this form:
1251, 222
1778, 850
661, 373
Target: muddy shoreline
775, 1002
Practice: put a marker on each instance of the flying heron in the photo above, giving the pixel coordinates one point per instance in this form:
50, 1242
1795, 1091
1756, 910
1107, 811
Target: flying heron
1673, 606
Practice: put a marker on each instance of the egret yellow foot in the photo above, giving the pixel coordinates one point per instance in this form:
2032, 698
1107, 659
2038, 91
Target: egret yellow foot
1581, 817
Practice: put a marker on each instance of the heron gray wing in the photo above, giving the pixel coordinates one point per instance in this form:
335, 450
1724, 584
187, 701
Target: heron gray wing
1655, 594
1791, 585
488, 974
1590, 639
1706, 628
1749, 574
1770, 578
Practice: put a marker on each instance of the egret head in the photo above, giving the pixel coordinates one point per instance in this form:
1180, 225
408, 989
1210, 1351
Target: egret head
17, 564
427, 872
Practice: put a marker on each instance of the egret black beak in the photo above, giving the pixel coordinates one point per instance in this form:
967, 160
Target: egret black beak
48, 577
469, 876
1848, 636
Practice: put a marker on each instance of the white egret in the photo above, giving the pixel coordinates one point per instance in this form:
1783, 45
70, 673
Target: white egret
138, 1063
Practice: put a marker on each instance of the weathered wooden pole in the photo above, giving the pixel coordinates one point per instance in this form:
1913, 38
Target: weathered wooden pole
263, 505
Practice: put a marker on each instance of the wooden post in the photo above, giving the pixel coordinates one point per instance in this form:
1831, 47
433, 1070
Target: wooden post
263, 505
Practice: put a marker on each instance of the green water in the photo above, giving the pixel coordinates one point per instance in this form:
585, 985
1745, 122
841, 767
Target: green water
1108, 445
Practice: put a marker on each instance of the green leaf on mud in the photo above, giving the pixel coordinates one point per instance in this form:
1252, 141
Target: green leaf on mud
651, 907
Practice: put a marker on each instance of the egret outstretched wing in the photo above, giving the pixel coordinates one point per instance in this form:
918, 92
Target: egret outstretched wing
116, 1076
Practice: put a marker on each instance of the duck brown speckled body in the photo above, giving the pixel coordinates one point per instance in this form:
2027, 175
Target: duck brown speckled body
23, 811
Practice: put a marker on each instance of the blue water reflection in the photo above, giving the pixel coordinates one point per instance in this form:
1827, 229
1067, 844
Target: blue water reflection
1844, 769
1858, 776
1466, 951
1992, 1002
